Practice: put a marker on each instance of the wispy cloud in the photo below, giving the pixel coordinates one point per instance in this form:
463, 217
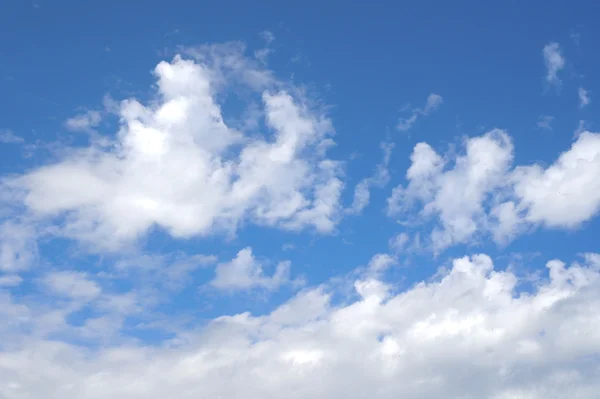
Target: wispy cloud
554, 61
433, 102
584, 97
8, 137
379, 179
84, 122
262, 54
267, 36
545, 122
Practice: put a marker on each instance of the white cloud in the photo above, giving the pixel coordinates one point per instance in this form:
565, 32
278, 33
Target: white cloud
545, 122
381, 262
584, 98
85, 122
177, 165
246, 272
468, 334
263, 54
399, 242
10, 280
18, 246
554, 62
433, 102
567, 192
180, 164
75, 285
8, 137
379, 179
456, 195
482, 192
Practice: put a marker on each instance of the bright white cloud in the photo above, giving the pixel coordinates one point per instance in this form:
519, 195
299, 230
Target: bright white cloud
246, 272
567, 192
177, 165
481, 192
433, 102
584, 98
554, 62
468, 334
455, 195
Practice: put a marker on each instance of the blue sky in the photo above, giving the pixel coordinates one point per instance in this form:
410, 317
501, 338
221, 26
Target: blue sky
277, 192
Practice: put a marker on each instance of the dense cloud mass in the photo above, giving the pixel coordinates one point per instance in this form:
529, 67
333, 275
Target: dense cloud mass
180, 164
177, 165
472, 333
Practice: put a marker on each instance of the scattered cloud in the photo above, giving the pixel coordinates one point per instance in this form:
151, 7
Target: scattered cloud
433, 102
267, 36
483, 192
246, 272
120, 317
75, 285
584, 98
18, 246
10, 280
381, 262
85, 122
576, 37
8, 137
545, 122
379, 179
554, 61
262, 54
399, 242
288, 247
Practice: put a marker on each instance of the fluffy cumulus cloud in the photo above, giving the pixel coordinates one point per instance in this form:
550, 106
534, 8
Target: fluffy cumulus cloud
480, 191
176, 164
454, 194
565, 193
471, 334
